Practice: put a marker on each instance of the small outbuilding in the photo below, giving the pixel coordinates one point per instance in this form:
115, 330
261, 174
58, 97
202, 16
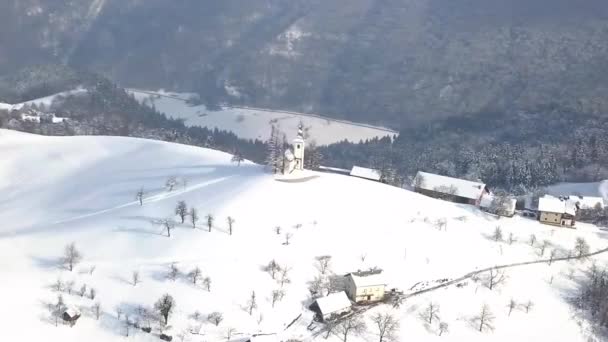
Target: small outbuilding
71, 315
333, 305
365, 287
558, 211
366, 173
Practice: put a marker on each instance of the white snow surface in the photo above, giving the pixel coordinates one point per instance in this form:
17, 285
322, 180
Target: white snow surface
58, 190
46, 101
254, 123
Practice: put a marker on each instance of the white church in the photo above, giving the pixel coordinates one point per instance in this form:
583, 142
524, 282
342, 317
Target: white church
294, 157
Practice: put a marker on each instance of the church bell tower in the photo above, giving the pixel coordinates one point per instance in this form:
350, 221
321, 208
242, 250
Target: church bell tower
298, 149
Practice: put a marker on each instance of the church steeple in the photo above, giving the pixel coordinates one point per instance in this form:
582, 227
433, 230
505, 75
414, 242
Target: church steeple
298, 148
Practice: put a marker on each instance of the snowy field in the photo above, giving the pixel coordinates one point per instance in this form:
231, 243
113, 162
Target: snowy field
255, 123
58, 190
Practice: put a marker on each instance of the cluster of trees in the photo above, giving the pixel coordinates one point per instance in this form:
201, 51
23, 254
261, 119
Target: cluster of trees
592, 294
506, 152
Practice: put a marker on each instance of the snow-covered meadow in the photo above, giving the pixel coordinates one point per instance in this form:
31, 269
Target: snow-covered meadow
253, 123
58, 190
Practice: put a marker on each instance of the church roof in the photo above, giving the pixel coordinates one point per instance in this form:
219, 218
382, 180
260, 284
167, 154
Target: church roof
366, 173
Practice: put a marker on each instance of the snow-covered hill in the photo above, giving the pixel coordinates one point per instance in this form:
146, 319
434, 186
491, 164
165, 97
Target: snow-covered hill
58, 190
253, 123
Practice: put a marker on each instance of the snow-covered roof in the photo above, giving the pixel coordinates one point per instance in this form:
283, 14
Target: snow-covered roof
588, 202
364, 172
463, 188
368, 280
72, 311
334, 302
557, 205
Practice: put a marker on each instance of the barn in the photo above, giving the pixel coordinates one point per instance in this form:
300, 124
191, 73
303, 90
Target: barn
449, 188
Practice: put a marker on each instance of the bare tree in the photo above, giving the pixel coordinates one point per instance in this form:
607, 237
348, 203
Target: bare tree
195, 275
59, 309
139, 196
495, 278
210, 220
92, 293
207, 283
287, 237
215, 318
284, 276
581, 247
387, 326
193, 216
323, 263
168, 224
171, 183
97, 310
272, 268
315, 286
173, 272
512, 305
119, 311
237, 158
181, 210
532, 240
528, 306
430, 313
83, 290
92, 269
127, 324
229, 333
497, 235
552, 256
511, 239
543, 247
71, 256
135, 278
277, 230
252, 303
443, 328
58, 285
352, 325
230, 221
165, 306
277, 295
485, 319
69, 286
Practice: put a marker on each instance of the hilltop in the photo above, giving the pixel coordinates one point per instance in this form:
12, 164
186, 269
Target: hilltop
58, 190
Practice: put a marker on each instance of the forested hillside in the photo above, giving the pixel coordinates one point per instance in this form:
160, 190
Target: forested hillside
392, 62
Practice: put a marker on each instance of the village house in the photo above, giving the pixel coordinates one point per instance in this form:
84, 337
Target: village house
333, 305
366, 173
367, 286
450, 189
71, 315
557, 211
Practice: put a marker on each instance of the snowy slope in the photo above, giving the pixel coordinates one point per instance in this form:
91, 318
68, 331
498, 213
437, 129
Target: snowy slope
255, 123
57, 190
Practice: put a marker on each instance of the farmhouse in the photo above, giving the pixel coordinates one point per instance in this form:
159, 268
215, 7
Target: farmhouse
448, 188
332, 305
366, 173
365, 286
557, 211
